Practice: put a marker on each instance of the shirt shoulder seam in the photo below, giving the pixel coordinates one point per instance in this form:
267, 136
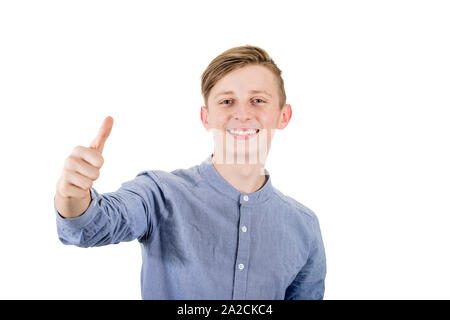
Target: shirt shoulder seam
295, 206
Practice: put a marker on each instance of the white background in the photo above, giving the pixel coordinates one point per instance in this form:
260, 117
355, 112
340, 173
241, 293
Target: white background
367, 148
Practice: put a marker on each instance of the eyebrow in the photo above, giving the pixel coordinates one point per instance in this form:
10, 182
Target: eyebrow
250, 91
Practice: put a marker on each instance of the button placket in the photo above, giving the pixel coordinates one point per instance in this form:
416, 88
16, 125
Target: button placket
242, 258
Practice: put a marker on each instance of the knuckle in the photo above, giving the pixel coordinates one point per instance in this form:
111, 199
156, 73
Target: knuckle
65, 186
59, 186
63, 189
102, 160
65, 174
69, 162
66, 162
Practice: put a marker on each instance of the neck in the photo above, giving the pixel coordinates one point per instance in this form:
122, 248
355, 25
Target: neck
246, 178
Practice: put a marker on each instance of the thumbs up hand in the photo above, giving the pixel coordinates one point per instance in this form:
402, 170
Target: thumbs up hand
82, 166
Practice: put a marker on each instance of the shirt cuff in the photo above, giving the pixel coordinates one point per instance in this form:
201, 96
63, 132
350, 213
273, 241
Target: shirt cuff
83, 220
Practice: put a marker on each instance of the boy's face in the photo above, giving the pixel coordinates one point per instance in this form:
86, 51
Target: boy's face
243, 120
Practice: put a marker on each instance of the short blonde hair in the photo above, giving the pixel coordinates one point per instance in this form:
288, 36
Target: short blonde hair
235, 58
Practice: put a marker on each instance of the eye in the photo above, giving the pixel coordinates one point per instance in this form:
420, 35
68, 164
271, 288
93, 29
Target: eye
225, 100
257, 101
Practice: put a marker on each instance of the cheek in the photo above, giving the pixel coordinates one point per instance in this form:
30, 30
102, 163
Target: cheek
218, 120
268, 121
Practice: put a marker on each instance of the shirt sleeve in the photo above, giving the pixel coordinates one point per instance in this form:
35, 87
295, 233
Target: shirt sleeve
129, 213
309, 283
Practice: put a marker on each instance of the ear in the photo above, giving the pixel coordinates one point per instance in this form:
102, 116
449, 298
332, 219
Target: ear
286, 114
204, 116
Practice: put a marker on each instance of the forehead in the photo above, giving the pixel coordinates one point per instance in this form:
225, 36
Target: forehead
245, 79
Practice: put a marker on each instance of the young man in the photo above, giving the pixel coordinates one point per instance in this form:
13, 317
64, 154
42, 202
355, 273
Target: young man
218, 230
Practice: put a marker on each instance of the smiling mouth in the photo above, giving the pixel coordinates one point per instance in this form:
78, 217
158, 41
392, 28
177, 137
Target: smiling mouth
243, 132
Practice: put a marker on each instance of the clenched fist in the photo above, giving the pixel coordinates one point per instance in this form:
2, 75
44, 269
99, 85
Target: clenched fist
81, 169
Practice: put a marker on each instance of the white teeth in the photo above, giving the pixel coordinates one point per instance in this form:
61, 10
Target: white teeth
242, 133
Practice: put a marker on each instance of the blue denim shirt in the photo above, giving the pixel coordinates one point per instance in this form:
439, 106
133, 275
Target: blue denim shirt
203, 239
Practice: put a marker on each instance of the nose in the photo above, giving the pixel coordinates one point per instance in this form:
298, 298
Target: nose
243, 112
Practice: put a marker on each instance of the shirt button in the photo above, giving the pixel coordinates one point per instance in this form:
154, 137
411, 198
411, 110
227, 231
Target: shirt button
244, 229
245, 198
240, 266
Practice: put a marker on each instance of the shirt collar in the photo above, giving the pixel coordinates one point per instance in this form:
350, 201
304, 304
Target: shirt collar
213, 177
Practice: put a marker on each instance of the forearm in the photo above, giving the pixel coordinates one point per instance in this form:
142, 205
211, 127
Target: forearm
109, 218
71, 207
